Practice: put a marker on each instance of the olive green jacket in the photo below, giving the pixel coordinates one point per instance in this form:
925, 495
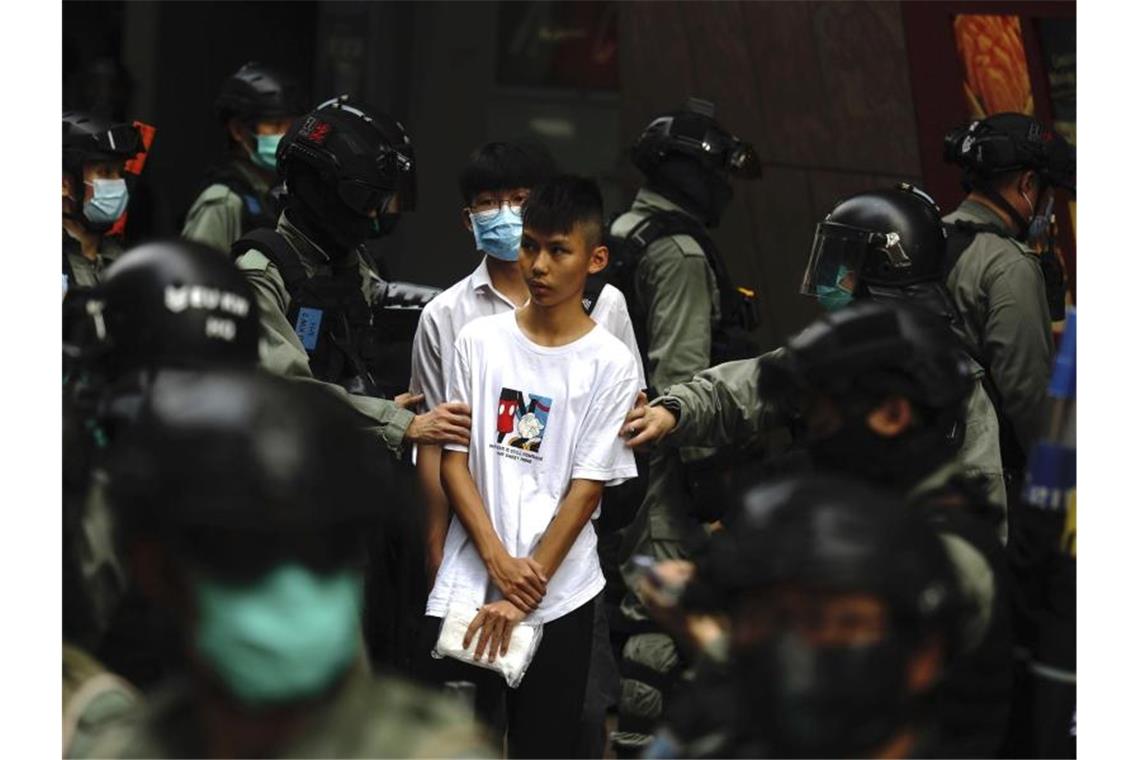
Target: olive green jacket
281, 349
93, 697
676, 296
676, 287
85, 272
999, 289
368, 717
722, 405
215, 218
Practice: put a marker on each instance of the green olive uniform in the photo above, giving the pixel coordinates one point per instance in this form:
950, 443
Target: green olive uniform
721, 406
216, 217
87, 273
368, 717
999, 289
281, 349
677, 296
92, 698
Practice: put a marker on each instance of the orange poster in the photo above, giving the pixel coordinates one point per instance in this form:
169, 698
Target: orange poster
997, 75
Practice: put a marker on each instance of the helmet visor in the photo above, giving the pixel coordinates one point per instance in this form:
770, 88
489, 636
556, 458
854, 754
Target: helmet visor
837, 255
362, 197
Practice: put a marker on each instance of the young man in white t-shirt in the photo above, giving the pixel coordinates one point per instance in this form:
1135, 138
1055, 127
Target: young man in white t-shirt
549, 391
494, 184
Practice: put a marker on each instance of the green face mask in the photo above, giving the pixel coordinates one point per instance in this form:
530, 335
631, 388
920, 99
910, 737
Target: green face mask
266, 154
835, 297
285, 637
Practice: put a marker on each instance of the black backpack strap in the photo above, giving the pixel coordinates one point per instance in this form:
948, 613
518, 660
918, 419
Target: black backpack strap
254, 210
960, 235
277, 249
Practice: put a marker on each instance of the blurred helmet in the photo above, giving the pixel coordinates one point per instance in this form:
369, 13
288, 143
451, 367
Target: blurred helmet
174, 303
256, 91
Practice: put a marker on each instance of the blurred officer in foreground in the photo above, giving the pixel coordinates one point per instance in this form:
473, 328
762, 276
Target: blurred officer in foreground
842, 615
256, 106
95, 193
878, 391
687, 315
164, 308
264, 575
349, 172
1003, 289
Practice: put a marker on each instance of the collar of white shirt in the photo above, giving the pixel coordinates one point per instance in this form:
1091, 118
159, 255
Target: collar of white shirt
480, 281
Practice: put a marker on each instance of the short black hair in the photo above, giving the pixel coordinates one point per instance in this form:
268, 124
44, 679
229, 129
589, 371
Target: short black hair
561, 203
502, 166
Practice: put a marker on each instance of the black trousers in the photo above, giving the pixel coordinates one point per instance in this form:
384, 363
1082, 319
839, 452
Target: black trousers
543, 715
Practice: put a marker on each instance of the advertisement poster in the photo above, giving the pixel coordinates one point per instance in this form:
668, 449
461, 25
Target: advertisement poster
560, 45
993, 55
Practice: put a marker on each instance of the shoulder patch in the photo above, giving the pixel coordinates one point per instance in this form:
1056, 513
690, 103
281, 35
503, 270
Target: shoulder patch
218, 193
253, 260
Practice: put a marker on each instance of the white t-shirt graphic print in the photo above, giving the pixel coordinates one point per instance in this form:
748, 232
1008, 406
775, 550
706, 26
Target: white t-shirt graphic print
540, 417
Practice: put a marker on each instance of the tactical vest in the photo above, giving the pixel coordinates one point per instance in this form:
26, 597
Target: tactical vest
327, 311
365, 348
731, 334
960, 236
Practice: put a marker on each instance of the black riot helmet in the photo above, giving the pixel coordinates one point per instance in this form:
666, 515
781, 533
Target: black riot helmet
874, 348
344, 161
1008, 142
692, 131
309, 475
857, 358
831, 688
256, 91
88, 138
884, 238
831, 532
173, 304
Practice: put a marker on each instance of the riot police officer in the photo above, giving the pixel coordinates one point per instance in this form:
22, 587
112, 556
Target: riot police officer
886, 245
878, 391
687, 315
890, 245
256, 106
349, 172
264, 575
163, 308
95, 193
1011, 164
843, 616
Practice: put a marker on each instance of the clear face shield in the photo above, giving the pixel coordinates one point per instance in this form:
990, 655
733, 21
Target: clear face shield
837, 256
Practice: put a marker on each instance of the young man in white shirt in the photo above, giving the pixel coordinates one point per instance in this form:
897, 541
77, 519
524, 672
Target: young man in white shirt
494, 184
549, 391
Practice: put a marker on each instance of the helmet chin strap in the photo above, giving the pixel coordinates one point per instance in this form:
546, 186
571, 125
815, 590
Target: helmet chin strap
1015, 216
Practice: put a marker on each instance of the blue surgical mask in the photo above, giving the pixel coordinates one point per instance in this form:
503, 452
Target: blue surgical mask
284, 638
108, 201
498, 232
833, 297
266, 154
